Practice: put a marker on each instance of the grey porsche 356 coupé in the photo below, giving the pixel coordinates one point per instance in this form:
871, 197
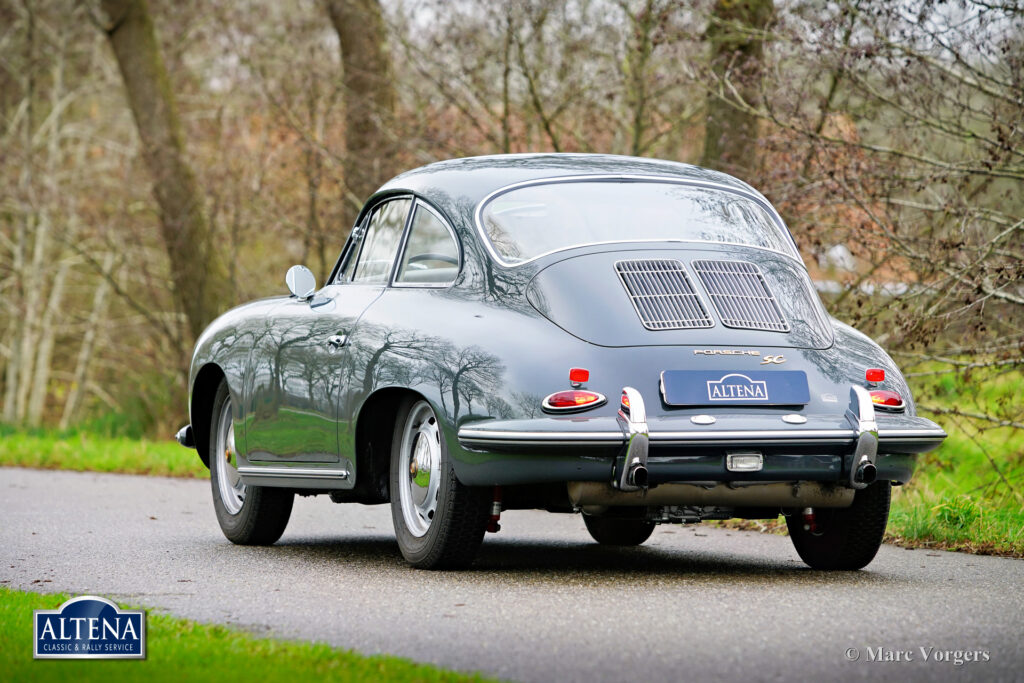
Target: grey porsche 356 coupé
632, 339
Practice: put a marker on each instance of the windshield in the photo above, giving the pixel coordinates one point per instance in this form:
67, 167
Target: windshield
527, 222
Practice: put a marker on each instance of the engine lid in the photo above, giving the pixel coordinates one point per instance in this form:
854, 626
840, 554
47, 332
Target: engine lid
714, 296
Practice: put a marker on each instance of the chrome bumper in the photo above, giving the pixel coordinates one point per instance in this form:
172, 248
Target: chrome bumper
908, 435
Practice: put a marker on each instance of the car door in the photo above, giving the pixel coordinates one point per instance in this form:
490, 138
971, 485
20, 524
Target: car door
294, 414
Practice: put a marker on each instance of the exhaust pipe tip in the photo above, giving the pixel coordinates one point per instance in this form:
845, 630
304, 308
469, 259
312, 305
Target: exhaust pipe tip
866, 473
638, 477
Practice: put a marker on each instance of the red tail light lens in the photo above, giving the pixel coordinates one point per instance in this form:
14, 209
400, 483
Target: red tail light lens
875, 375
887, 400
571, 401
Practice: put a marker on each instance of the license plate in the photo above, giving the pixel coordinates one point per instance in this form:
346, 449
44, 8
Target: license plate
734, 388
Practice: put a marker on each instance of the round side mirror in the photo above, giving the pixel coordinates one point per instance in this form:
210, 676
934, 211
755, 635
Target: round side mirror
301, 282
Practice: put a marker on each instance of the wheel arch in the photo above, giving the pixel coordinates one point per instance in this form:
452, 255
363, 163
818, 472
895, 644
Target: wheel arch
204, 389
375, 429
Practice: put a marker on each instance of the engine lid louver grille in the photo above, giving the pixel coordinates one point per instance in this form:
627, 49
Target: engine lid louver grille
662, 294
740, 295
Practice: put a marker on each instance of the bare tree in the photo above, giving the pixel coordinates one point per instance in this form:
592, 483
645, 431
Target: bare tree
896, 133
369, 97
735, 33
200, 278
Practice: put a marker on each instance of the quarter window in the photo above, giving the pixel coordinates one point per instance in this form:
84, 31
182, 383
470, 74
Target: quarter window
431, 253
380, 243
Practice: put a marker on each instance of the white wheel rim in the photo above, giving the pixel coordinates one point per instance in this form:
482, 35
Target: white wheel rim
419, 475
229, 484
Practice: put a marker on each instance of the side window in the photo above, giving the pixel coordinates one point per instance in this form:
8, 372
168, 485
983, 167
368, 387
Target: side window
380, 243
431, 253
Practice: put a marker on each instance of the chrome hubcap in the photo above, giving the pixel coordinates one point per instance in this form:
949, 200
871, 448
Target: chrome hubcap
420, 463
225, 459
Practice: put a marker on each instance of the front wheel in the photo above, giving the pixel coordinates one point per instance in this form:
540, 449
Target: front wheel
845, 538
439, 522
248, 515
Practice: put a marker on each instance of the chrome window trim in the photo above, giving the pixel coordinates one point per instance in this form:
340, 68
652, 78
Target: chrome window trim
417, 203
707, 184
405, 231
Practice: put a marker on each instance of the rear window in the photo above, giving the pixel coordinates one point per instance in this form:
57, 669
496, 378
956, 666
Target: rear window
526, 222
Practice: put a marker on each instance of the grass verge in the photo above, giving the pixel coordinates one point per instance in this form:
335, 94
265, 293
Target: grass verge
969, 494
81, 451
179, 649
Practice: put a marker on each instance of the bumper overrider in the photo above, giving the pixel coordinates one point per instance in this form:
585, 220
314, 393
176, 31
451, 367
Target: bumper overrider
816, 461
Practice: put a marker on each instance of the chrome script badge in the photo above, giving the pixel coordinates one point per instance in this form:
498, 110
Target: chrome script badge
726, 352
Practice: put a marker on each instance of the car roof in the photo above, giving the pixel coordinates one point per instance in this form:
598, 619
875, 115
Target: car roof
458, 185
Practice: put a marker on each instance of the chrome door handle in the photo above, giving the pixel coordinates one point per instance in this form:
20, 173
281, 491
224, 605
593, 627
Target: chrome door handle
336, 341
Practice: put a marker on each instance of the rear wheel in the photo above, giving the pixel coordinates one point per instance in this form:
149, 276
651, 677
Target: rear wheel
439, 522
845, 538
628, 529
248, 515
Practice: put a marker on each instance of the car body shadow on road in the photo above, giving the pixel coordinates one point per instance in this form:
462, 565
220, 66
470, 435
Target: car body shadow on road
532, 560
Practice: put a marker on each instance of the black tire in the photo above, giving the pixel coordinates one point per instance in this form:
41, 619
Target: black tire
622, 529
444, 527
846, 538
264, 511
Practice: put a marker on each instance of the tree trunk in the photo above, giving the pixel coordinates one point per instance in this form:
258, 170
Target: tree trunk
34, 283
735, 34
369, 98
85, 351
48, 328
201, 284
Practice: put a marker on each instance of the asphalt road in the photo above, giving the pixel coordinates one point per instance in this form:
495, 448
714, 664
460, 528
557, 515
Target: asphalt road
543, 603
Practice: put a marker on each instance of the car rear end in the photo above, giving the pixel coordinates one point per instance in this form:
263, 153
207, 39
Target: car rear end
714, 384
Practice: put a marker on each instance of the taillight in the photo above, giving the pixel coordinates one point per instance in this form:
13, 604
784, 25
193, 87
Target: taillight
571, 401
888, 400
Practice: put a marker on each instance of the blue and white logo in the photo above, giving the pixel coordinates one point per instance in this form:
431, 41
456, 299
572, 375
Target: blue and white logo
88, 627
737, 387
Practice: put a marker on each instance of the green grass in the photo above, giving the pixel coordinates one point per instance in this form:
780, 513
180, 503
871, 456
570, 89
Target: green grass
81, 451
968, 494
178, 649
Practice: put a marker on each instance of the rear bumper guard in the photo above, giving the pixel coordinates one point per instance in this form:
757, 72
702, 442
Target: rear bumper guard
631, 467
861, 415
